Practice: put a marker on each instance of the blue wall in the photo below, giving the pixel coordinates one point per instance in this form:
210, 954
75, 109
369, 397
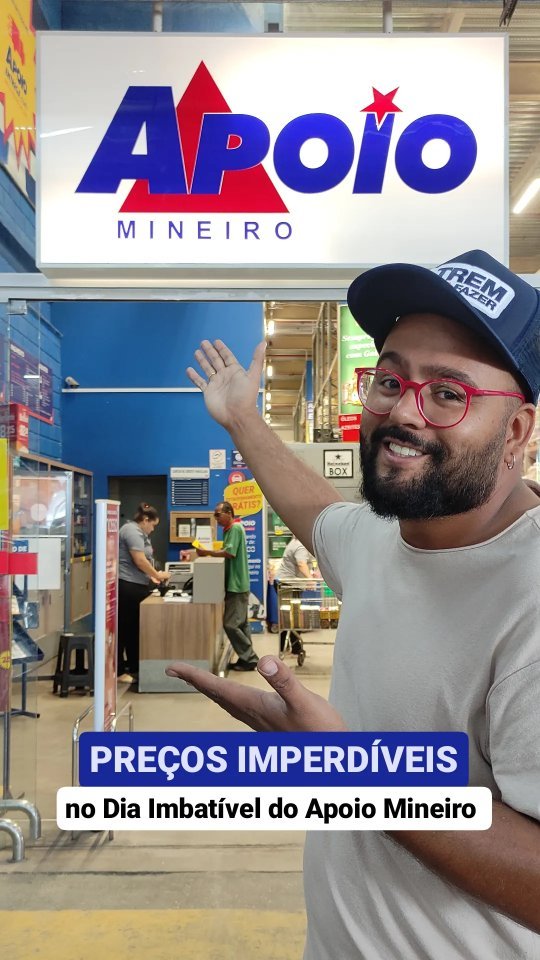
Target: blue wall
47, 14
182, 16
17, 227
143, 345
115, 345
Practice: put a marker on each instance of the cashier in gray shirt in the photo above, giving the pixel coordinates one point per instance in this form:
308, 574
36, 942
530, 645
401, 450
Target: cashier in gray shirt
136, 573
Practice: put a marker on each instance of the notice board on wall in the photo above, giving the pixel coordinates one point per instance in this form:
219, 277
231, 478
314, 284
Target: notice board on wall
30, 383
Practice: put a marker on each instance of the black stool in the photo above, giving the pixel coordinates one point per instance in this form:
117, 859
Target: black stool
81, 676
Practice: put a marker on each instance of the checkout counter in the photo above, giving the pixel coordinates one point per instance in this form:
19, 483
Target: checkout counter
182, 626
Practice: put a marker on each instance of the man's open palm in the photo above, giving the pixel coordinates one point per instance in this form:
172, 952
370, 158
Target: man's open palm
229, 390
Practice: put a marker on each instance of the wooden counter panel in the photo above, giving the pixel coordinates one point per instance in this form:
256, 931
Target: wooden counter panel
179, 631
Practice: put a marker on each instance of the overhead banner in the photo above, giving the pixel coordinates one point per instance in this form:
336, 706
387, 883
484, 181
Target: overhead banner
18, 93
187, 151
356, 349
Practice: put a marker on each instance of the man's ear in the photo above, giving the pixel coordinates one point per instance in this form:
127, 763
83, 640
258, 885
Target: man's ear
520, 428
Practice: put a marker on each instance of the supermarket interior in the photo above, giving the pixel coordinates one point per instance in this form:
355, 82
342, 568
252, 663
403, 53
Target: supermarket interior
176, 174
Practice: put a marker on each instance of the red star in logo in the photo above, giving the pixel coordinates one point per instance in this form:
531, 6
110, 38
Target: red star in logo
382, 104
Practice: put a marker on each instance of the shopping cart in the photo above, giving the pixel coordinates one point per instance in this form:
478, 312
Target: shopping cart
304, 605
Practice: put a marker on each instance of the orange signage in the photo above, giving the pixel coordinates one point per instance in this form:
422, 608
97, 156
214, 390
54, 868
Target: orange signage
246, 498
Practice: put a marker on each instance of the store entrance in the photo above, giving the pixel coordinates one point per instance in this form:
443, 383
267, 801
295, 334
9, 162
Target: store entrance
131, 491
126, 422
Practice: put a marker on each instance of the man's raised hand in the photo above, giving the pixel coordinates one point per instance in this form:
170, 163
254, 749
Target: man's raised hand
230, 391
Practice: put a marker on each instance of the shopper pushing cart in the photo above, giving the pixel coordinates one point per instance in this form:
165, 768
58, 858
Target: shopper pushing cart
296, 563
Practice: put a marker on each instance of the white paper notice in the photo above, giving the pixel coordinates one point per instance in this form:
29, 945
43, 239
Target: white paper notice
218, 459
204, 534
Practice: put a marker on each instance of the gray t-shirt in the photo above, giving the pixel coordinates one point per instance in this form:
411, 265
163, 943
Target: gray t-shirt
131, 537
427, 640
294, 554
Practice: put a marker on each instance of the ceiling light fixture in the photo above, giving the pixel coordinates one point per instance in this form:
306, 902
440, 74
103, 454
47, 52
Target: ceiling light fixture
269, 371
270, 328
528, 194
268, 395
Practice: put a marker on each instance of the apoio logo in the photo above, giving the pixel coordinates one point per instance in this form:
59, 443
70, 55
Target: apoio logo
202, 157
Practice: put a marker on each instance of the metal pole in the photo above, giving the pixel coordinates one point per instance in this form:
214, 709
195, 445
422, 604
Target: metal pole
6, 792
327, 366
388, 26
75, 745
6, 682
157, 16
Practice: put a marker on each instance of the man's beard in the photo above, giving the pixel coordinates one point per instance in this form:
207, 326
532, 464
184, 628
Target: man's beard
450, 485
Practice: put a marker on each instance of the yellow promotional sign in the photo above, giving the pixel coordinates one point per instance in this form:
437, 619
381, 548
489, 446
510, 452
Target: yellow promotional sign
18, 77
245, 498
4, 485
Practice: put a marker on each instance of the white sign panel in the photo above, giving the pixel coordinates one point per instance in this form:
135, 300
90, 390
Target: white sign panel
187, 151
338, 464
218, 459
190, 473
49, 570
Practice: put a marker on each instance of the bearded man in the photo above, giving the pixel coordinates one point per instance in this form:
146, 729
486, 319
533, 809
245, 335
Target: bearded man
440, 622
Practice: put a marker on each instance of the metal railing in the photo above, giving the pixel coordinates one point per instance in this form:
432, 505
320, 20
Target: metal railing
116, 716
75, 745
25, 807
7, 802
75, 734
224, 660
17, 839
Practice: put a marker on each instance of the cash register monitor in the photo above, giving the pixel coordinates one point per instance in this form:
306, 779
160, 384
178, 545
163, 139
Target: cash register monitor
181, 571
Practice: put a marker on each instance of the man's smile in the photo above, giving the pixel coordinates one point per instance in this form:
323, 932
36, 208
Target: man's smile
401, 450
397, 452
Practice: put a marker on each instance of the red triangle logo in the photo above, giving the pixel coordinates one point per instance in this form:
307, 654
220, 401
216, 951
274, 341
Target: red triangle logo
242, 191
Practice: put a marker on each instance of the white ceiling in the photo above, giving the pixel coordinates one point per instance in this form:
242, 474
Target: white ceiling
290, 345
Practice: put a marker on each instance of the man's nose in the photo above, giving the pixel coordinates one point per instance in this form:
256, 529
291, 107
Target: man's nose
406, 411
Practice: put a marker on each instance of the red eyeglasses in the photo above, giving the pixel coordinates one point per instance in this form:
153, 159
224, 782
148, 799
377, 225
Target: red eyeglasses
442, 403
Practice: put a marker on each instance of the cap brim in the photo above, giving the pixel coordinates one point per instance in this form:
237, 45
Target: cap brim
378, 297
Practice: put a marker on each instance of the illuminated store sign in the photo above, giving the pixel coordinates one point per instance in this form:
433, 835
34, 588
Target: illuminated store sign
257, 152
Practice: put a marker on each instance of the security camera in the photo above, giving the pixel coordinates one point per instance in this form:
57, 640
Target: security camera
71, 382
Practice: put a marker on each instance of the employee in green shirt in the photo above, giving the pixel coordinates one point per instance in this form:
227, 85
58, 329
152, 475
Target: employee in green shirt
235, 618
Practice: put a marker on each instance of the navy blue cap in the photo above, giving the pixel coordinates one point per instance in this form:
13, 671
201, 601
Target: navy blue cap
472, 288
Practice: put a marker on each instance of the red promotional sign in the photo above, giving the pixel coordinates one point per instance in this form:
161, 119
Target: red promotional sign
349, 424
237, 476
14, 419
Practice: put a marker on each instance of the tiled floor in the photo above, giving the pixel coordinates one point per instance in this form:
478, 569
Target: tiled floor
209, 895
